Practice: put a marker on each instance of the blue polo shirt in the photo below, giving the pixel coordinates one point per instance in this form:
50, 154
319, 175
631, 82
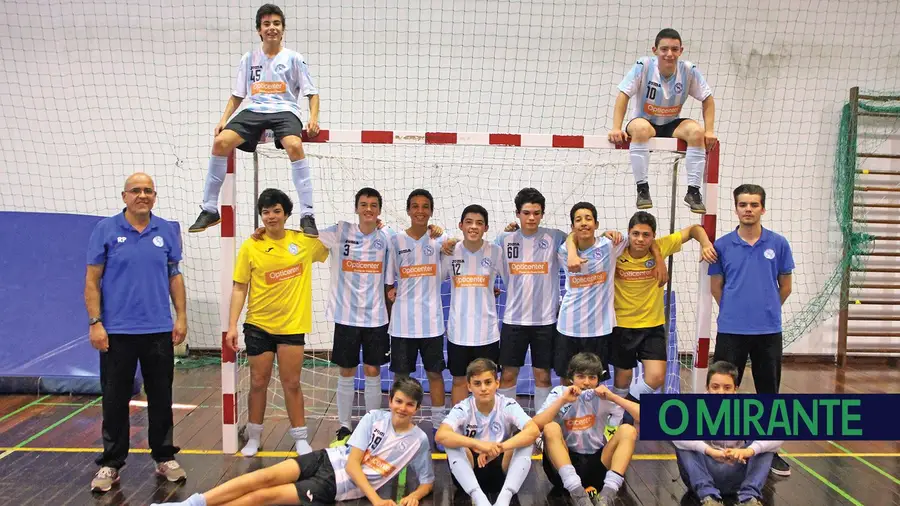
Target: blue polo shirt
750, 301
135, 283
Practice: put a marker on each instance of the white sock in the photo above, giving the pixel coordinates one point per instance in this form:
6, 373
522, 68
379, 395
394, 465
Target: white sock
254, 434
299, 436
302, 176
507, 392
193, 500
215, 178
613, 480
540, 397
570, 479
438, 414
519, 465
695, 162
639, 388
616, 414
345, 394
639, 153
465, 475
373, 393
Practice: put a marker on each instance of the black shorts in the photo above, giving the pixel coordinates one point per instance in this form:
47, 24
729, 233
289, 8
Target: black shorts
566, 347
258, 341
316, 484
404, 351
589, 467
375, 343
251, 125
459, 357
515, 340
490, 477
666, 130
630, 345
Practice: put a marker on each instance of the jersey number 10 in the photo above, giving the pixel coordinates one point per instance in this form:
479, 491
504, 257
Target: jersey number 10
651, 93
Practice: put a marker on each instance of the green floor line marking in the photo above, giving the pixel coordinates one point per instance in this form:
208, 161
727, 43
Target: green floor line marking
824, 480
74, 404
866, 462
401, 485
23, 408
50, 427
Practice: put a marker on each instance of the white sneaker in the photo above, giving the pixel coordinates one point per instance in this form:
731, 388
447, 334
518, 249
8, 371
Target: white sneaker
104, 480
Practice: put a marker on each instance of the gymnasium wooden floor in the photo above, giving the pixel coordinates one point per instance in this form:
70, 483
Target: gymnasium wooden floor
48, 443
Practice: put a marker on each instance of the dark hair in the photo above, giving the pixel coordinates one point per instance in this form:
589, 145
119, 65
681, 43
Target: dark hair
474, 209
585, 363
480, 366
642, 218
367, 192
529, 196
270, 197
722, 367
582, 205
419, 193
751, 189
410, 387
267, 10
667, 33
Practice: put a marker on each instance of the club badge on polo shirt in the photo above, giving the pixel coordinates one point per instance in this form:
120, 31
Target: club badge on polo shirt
293, 249
769, 253
158, 242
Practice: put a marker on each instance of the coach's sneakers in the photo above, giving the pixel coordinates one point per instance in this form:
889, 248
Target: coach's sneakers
694, 200
171, 470
643, 196
752, 502
104, 480
780, 467
205, 220
711, 501
308, 226
341, 438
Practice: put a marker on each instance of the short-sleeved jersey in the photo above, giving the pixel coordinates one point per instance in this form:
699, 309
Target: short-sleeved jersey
415, 265
531, 276
473, 305
497, 426
639, 298
385, 453
280, 276
659, 99
583, 422
274, 84
587, 307
358, 263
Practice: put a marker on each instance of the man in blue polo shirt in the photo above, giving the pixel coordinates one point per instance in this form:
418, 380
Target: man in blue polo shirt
132, 272
750, 282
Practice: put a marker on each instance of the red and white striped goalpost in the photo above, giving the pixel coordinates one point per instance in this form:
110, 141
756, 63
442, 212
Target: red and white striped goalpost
229, 198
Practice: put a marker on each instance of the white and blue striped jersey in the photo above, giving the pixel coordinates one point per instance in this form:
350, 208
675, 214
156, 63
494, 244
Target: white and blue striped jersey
358, 264
274, 84
386, 453
500, 424
658, 99
583, 422
531, 276
587, 308
473, 305
415, 265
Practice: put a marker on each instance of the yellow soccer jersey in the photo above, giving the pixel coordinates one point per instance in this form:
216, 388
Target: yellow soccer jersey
280, 277
639, 301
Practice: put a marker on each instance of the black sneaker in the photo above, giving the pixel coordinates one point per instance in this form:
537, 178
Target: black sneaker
205, 220
694, 200
780, 467
308, 226
341, 437
643, 199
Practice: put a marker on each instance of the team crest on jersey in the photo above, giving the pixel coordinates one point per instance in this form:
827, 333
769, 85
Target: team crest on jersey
486, 262
378, 244
543, 244
769, 253
598, 254
678, 87
293, 249
121, 239
280, 68
650, 263
159, 243
495, 426
428, 250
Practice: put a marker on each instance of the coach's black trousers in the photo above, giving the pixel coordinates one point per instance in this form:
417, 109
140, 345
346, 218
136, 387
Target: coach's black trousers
117, 369
765, 352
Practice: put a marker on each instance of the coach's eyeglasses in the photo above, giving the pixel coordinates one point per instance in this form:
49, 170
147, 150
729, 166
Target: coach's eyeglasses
137, 191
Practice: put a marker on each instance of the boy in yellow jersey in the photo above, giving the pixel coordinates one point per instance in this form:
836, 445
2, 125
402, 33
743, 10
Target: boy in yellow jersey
640, 314
276, 272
